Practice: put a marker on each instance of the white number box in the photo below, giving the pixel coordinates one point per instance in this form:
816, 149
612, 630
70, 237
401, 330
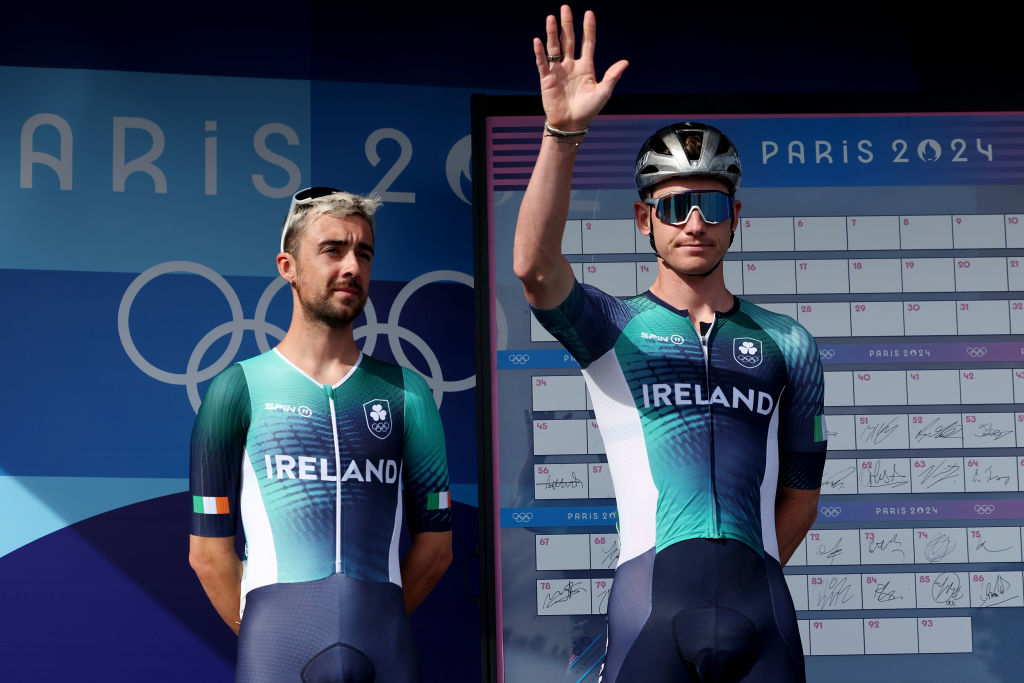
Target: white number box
936, 430
804, 627
767, 234
989, 430
982, 317
875, 275
558, 481
559, 392
617, 279
937, 545
996, 589
782, 308
994, 543
877, 319
981, 275
769, 277
572, 238
825, 233
991, 474
889, 591
832, 547
887, 546
890, 636
947, 634
839, 388
833, 591
797, 584
826, 276
979, 232
929, 317
559, 437
733, 271
839, 476
600, 591
837, 637
1015, 274
884, 475
595, 444
880, 388
926, 232
600, 480
933, 387
825, 319
604, 551
940, 590
613, 236
646, 274
882, 432
941, 475
562, 551
928, 275
1014, 230
986, 386
841, 433
873, 232
564, 596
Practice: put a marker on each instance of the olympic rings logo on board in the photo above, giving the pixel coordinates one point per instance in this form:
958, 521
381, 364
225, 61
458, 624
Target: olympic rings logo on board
976, 351
826, 354
194, 375
830, 511
985, 509
522, 517
518, 358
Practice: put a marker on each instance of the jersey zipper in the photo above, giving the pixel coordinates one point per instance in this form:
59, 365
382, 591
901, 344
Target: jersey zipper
704, 342
337, 477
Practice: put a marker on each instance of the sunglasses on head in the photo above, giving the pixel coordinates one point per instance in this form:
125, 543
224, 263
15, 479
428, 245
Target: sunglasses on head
675, 208
302, 197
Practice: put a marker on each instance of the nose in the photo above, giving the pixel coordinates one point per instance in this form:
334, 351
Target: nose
694, 224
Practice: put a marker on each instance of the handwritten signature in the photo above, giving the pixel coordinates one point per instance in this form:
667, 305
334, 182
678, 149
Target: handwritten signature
571, 588
879, 477
946, 589
571, 483
988, 429
877, 433
938, 548
838, 480
940, 431
832, 553
836, 590
893, 545
993, 594
1003, 479
939, 472
884, 594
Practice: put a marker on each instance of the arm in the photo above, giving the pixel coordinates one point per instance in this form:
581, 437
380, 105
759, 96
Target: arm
220, 571
572, 97
795, 512
424, 564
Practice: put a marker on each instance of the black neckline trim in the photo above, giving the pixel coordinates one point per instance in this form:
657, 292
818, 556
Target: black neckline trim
683, 312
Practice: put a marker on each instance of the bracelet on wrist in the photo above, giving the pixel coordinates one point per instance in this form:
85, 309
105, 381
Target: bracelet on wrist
551, 131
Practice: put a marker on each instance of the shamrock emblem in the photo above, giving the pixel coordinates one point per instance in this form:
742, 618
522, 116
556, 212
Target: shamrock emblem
377, 412
747, 347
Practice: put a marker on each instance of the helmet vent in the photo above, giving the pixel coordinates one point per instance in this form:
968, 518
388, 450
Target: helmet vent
692, 144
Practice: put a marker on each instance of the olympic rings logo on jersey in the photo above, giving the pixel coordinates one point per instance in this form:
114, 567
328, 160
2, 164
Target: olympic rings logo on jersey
234, 328
976, 351
522, 517
986, 509
830, 511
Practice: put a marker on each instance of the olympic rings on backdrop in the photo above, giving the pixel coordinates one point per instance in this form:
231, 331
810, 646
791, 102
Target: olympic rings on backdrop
826, 354
239, 324
986, 509
830, 511
522, 517
976, 351
518, 358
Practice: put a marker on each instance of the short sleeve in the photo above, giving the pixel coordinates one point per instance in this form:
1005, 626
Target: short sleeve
587, 323
218, 445
802, 435
425, 469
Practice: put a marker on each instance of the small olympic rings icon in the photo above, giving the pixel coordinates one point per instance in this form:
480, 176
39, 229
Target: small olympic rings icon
380, 427
522, 517
986, 509
826, 354
976, 351
238, 324
518, 358
830, 511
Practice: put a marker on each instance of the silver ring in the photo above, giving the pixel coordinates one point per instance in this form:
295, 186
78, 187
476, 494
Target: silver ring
555, 58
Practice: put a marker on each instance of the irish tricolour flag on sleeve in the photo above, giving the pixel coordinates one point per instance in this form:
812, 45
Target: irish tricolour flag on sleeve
210, 505
438, 501
819, 429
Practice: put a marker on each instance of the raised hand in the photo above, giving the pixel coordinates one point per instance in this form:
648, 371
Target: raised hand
571, 93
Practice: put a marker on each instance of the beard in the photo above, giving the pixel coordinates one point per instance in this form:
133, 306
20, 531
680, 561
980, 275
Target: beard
323, 308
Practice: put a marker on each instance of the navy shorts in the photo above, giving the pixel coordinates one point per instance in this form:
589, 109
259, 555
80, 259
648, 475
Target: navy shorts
335, 630
702, 610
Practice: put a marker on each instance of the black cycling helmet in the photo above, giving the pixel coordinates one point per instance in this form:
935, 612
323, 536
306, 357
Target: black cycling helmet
687, 149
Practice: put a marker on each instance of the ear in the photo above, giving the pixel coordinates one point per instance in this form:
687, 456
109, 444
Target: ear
736, 206
642, 217
286, 266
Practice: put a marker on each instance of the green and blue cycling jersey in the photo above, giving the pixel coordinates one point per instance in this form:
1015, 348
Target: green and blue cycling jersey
700, 428
319, 474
